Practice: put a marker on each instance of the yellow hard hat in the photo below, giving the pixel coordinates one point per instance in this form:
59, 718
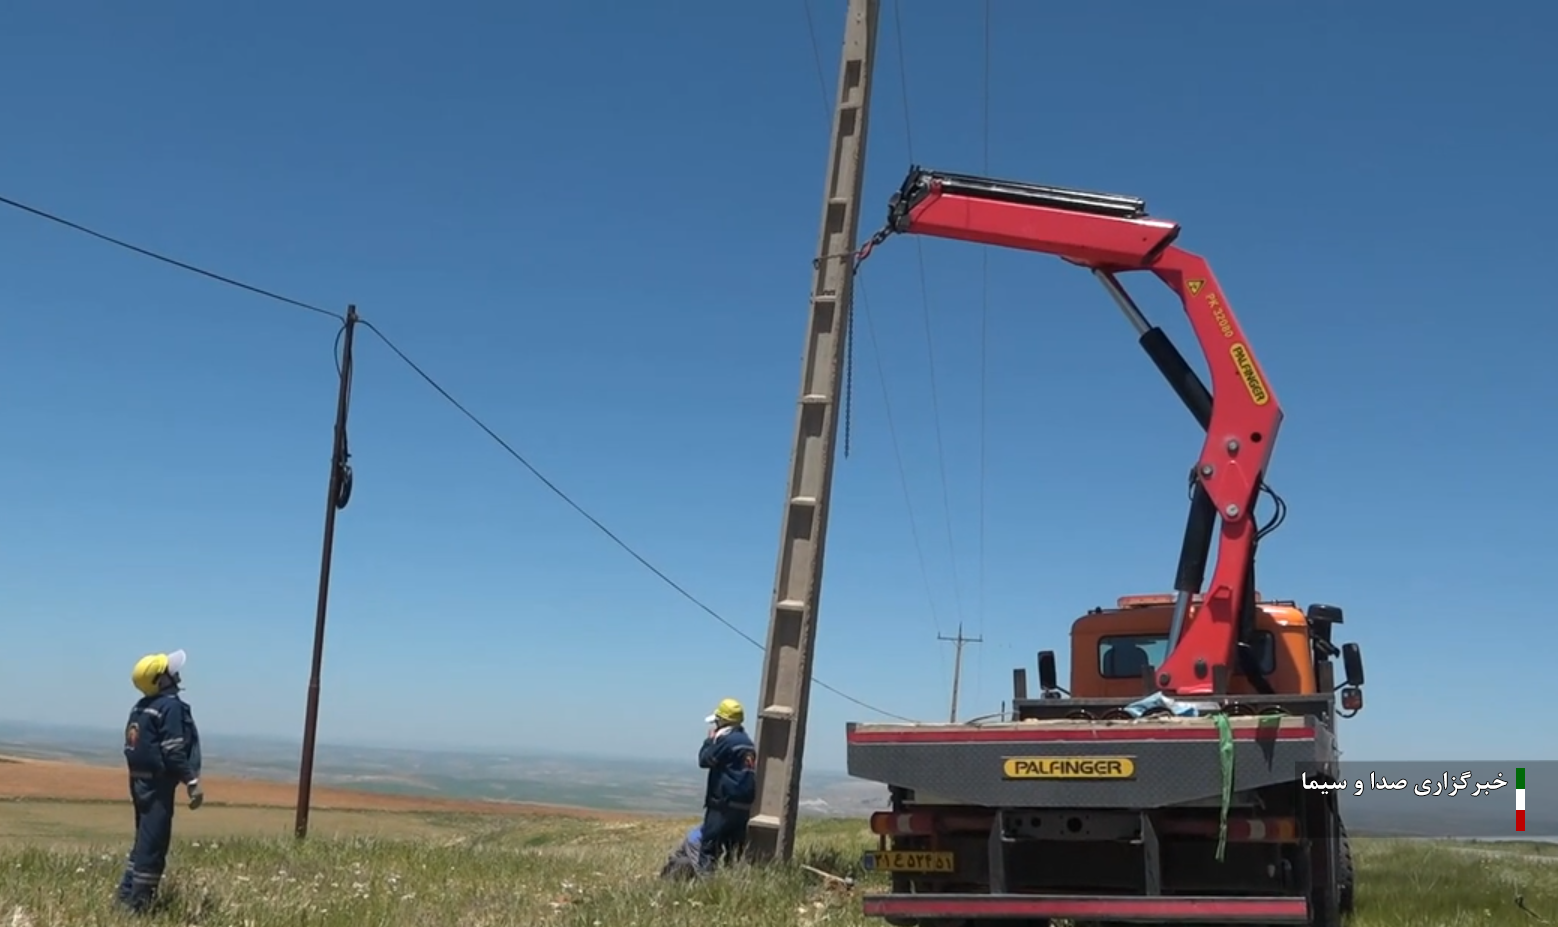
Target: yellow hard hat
152, 667
729, 711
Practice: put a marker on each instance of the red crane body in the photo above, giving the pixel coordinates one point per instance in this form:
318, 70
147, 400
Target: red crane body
1111, 235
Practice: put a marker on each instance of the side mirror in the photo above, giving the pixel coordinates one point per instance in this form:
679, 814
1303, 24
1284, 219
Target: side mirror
1324, 614
1322, 618
1019, 684
1352, 661
1047, 678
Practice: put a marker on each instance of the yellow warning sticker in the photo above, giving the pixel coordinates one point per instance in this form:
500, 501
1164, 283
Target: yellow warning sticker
1247, 373
1195, 286
1069, 767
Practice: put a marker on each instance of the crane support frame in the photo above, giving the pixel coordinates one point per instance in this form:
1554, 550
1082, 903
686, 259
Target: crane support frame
1111, 235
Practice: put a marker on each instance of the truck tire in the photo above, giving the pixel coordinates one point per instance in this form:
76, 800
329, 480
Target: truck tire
1344, 871
1329, 860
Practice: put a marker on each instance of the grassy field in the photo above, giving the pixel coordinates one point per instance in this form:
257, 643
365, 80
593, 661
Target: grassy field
237, 866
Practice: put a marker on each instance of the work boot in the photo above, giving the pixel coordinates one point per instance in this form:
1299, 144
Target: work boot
140, 899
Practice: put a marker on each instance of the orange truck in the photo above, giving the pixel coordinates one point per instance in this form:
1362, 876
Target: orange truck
1174, 780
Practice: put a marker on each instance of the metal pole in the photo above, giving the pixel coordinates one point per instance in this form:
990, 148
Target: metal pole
340, 483
785, 689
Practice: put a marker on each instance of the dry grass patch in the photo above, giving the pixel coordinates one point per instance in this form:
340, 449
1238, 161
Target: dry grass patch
504, 870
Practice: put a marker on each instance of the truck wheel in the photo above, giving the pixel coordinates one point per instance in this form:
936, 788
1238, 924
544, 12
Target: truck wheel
1344, 870
1328, 863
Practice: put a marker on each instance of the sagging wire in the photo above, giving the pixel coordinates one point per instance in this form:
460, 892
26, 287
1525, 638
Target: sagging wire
855, 257
345, 369
930, 341
849, 382
984, 366
864, 305
146, 252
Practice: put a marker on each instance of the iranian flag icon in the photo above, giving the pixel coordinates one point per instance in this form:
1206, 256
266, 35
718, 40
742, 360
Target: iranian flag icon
1520, 798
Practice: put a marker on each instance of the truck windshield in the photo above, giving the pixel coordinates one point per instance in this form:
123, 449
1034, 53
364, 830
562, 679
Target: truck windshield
1122, 656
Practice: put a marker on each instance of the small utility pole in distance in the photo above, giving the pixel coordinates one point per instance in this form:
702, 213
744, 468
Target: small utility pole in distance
957, 664
785, 691
340, 493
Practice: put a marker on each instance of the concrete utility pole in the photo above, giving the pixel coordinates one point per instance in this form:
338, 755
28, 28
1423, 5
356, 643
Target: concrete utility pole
957, 664
785, 692
338, 494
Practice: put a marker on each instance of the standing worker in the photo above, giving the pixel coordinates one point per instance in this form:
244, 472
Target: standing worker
731, 759
162, 750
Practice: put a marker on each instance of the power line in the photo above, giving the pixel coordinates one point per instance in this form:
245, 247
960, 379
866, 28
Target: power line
984, 351
930, 341
881, 372
816, 54
426, 377
167, 260
615, 539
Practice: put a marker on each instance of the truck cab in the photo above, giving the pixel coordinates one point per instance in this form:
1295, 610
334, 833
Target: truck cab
1287, 651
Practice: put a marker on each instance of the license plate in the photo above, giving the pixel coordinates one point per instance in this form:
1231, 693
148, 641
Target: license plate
907, 861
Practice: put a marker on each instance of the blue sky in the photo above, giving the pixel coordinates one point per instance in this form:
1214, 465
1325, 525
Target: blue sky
595, 227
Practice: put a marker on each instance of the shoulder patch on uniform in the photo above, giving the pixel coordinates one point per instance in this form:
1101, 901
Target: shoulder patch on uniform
132, 736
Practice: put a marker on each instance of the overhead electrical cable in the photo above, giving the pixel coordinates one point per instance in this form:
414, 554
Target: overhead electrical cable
167, 260
930, 347
458, 405
881, 372
984, 366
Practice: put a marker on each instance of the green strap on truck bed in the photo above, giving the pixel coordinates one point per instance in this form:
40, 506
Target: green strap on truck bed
1225, 760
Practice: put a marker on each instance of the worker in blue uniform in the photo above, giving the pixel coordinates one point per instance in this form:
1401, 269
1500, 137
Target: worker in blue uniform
162, 751
731, 759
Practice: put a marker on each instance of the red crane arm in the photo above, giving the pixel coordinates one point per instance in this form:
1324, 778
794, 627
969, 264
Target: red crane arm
1112, 234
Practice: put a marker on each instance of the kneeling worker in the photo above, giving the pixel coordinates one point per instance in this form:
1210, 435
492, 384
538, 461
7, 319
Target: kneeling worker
731, 759
162, 750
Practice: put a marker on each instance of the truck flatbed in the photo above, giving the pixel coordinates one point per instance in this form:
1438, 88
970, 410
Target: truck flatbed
1152, 762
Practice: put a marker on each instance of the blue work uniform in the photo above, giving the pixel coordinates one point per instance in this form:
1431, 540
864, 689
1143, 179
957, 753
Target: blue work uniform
684, 862
731, 760
162, 751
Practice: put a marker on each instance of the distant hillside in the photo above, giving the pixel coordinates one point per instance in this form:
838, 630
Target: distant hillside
639, 785
588, 782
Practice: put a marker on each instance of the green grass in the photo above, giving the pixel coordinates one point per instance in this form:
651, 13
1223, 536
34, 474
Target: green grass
238, 867
1434, 884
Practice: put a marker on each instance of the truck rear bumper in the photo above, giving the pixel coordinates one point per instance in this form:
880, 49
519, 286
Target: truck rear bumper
1131, 909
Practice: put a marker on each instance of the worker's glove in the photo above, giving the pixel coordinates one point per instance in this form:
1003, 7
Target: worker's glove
197, 795
721, 733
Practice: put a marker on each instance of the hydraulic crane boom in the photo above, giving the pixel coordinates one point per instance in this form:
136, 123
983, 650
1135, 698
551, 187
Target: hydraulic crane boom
1111, 235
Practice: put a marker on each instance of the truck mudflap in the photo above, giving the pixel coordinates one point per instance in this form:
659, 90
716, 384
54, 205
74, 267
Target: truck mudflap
1139, 764
1276, 909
